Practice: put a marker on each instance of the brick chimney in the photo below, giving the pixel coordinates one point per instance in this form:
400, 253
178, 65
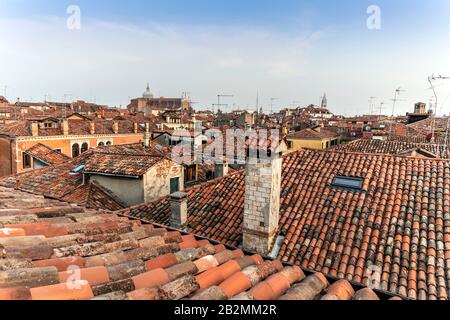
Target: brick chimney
115, 127
178, 207
135, 127
65, 127
262, 203
92, 127
147, 135
34, 129
220, 169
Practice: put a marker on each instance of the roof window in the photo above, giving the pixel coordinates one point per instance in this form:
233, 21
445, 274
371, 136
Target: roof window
78, 169
347, 182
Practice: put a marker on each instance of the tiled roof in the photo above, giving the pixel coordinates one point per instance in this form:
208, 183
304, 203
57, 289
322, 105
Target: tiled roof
47, 155
58, 182
394, 147
312, 134
118, 164
93, 195
76, 127
398, 223
55, 251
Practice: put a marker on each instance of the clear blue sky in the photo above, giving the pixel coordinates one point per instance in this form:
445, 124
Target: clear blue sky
290, 49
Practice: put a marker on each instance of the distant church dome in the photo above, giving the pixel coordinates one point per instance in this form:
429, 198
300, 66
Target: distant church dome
147, 94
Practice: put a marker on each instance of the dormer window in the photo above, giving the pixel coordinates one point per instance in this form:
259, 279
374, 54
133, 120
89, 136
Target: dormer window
348, 182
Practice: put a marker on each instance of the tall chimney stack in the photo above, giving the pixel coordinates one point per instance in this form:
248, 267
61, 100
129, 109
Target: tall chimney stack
178, 207
34, 129
115, 127
147, 135
65, 127
92, 127
262, 203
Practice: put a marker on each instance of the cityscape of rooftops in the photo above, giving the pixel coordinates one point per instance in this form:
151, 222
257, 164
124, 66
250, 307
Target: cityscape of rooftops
253, 151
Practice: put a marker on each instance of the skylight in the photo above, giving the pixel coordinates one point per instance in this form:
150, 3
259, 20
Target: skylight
347, 182
78, 169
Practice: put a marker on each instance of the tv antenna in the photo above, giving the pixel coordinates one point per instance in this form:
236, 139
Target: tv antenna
5, 88
371, 104
432, 80
219, 96
272, 100
397, 93
380, 109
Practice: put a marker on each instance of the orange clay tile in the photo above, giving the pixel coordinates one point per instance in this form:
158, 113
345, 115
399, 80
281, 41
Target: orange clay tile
188, 237
263, 291
238, 253
151, 278
61, 263
43, 228
235, 284
342, 290
219, 248
15, 294
189, 244
143, 294
94, 275
206, 263
202, 243
279, 284
12, 232
257, 258
77, 290
164, 261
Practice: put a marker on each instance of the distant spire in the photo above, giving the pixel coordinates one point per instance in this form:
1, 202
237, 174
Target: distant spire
324, 101
257, 102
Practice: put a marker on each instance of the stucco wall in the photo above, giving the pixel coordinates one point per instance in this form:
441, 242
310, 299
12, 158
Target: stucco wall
297, 144
129, 190
5, 157
157, 179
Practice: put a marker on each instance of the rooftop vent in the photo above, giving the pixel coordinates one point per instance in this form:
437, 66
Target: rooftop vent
348, 182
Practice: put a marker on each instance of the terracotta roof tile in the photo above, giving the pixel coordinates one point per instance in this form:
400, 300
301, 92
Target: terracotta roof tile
113, 263
47, 155
394, 227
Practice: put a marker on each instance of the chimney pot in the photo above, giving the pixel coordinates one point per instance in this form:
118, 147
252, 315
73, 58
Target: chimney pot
262, 203
178, 206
